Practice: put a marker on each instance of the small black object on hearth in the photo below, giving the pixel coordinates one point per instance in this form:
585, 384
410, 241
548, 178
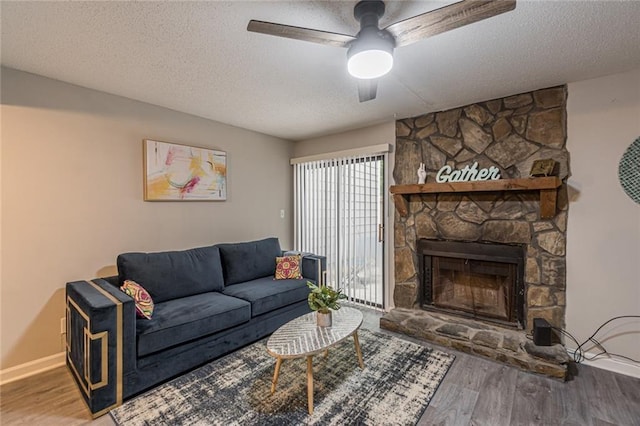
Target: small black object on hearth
541, 332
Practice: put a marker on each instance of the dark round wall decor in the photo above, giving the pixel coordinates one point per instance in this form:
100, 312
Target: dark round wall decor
629, 171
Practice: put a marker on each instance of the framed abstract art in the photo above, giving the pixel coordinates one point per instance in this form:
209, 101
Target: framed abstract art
174, 172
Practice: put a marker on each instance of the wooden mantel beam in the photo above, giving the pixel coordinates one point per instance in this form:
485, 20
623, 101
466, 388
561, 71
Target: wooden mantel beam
548, 187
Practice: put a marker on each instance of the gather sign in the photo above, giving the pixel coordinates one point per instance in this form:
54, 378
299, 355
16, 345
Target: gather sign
468, 173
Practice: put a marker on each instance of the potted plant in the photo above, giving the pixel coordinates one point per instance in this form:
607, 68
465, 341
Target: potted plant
323, 299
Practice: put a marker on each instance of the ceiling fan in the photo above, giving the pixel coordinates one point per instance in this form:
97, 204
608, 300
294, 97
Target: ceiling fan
370, 52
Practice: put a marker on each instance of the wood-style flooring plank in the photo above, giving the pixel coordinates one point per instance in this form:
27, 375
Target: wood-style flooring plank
570, 403
598, 422
531, 400
606, 400
451, 406
470, 371
630, 388
541, 401
495, 401
50, 398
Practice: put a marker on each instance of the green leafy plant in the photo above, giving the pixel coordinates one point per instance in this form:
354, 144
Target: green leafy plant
324, 298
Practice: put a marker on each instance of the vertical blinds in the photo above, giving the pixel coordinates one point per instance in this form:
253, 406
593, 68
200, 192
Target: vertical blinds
338, 211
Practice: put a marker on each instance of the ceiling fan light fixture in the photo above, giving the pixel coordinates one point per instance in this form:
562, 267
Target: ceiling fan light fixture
372, 63
371, 55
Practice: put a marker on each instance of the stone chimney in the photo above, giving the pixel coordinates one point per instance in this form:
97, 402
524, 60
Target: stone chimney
510, 134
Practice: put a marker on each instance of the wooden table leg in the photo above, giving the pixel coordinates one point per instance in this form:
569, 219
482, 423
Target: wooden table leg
358, 352
326, 353
310, 383
275, 375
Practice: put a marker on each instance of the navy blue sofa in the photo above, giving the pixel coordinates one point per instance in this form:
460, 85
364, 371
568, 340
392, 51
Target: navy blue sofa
208, 301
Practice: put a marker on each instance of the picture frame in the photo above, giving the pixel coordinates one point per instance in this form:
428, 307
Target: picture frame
543, 167
176, 172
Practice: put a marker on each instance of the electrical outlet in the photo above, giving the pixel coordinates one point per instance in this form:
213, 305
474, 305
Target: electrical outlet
63, 325
282, 214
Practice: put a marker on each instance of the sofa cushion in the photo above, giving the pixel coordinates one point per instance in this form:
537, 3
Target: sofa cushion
288, 267
247, 261
266, 294
180, 320
173, 274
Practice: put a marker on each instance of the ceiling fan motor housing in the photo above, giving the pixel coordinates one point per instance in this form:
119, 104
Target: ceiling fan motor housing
368, 14
370, 37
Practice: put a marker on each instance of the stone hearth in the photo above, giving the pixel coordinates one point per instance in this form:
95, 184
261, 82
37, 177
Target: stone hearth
509, 134
508, 346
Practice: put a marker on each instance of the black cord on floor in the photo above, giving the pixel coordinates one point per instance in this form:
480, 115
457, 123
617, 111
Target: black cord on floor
579, 353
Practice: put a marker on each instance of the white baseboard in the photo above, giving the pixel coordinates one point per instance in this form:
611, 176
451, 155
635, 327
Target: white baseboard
31, 368
621, 366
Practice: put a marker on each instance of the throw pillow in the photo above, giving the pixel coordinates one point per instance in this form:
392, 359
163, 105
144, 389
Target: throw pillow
288, 267
144, 304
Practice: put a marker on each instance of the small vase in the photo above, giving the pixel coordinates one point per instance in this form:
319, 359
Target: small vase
323, 320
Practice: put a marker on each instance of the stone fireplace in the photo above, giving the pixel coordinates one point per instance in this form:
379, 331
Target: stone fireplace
504, 263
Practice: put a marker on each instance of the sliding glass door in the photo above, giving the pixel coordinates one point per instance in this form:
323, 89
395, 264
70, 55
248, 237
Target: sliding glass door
339, 212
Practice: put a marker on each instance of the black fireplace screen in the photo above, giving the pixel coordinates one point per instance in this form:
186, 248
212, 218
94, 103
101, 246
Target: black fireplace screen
472, 279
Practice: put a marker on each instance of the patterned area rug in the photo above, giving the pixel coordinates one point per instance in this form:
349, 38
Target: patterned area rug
399, 377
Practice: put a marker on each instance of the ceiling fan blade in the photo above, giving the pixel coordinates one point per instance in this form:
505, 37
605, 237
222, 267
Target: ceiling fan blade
298, 33
447, 18
367, 89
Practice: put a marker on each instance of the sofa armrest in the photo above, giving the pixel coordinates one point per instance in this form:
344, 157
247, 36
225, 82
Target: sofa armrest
313, 265
100, 341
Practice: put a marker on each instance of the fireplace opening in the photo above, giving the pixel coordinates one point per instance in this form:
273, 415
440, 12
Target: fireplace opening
483, 281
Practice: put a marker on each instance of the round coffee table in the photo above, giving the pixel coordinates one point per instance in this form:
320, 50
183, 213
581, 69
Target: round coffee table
302, 337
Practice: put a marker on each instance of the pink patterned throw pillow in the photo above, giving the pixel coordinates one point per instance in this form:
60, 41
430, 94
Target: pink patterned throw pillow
144, 304
288, 267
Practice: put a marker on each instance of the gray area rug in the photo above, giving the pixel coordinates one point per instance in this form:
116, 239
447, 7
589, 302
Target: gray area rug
395, 387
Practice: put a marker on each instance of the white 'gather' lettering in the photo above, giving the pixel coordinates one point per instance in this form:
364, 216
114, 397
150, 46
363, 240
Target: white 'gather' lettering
468, 173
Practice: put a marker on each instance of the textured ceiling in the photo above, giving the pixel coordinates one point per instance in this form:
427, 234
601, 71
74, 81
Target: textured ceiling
197, 57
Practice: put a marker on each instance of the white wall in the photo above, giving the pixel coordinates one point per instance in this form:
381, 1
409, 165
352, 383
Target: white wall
72, 197
603, 234
359, 138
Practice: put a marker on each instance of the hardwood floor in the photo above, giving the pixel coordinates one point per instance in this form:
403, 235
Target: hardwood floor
49, 398
479, 391
476, 391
